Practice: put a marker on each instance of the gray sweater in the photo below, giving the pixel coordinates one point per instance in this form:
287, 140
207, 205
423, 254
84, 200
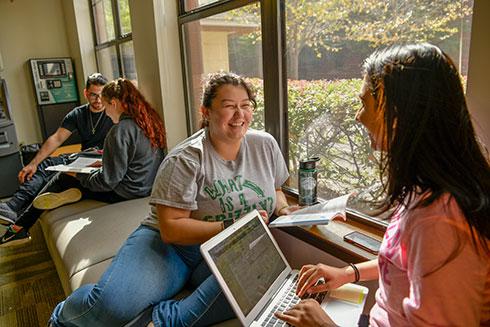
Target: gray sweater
129, 161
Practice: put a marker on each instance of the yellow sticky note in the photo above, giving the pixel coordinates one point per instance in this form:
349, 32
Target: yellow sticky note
349, 292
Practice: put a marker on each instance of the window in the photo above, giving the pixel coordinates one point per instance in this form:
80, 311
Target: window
313, 82
324, 56
114, 45
223, 41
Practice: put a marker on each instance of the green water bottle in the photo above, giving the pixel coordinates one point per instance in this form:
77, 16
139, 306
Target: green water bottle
307, 181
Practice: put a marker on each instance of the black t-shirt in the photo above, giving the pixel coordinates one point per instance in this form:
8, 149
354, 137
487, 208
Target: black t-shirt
91, 126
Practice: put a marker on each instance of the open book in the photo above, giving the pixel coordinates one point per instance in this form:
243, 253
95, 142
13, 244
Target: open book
82, 165
318, 214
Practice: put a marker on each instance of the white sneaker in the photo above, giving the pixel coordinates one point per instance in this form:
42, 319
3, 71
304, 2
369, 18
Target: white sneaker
51, 200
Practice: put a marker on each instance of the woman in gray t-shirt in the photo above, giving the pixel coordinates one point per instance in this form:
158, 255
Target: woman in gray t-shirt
212, 178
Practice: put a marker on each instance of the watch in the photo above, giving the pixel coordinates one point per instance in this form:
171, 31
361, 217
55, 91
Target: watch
228, 222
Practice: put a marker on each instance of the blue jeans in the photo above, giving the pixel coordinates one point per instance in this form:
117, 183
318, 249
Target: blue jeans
148, 273
58, 184
28, 190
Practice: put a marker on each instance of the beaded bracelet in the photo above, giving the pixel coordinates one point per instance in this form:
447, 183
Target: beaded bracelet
356, 272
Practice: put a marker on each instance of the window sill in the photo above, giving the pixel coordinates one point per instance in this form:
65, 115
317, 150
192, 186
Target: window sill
329, 238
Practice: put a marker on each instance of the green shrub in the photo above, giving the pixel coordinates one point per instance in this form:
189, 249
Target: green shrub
321, 118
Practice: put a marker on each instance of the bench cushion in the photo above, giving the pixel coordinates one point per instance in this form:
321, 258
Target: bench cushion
85, 238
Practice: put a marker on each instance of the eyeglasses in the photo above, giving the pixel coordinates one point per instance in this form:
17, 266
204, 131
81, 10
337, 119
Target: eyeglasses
233, 107
94, 96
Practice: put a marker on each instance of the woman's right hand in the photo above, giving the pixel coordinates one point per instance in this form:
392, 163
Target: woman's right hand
310, 274
27, 172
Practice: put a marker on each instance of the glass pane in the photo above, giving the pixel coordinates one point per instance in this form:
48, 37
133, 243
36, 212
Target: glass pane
103, 20
193, 4
124, 17
128, 64
230, 42
107, 62
324, 54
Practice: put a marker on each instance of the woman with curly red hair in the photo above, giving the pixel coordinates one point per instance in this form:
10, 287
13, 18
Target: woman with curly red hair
129, 101
133, 150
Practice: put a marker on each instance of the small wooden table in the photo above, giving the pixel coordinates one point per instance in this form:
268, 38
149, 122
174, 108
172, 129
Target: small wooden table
72, 148
329, 238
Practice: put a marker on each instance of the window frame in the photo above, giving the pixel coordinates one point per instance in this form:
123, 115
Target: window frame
119, 39
273, 31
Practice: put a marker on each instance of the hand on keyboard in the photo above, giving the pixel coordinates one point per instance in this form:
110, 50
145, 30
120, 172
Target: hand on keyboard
316, 296
307, 313
309, 275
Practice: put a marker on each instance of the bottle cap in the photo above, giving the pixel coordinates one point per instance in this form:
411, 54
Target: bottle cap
308, 163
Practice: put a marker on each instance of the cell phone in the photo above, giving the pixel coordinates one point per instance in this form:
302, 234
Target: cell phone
363, 241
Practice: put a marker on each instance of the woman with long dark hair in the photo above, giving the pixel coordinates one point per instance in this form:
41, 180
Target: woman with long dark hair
434, 262
133, 150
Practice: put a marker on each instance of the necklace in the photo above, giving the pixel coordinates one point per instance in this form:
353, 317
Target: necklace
96, 123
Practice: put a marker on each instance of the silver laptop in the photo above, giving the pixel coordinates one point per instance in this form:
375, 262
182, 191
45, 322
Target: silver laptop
256, 278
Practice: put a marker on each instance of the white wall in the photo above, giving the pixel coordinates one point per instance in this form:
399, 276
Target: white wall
80, 40
157, 56
170, 71
29, 29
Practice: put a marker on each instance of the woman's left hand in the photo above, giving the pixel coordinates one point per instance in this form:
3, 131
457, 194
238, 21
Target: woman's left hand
265, 216
288, 210
307, 313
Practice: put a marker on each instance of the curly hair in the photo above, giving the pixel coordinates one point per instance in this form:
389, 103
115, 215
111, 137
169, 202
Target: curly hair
135, 105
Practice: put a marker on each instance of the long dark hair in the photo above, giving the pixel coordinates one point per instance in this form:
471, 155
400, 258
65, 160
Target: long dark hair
431, 142
135, 105
215, 80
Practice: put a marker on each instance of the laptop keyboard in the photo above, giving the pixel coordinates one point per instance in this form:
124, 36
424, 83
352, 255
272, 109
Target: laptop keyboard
288, 300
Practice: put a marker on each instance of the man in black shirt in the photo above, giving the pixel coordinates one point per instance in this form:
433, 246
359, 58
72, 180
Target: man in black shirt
91, 123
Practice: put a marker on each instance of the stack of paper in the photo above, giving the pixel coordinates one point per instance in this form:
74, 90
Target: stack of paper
80, 166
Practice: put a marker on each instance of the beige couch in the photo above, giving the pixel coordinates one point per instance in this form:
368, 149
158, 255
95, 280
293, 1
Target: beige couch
83, 237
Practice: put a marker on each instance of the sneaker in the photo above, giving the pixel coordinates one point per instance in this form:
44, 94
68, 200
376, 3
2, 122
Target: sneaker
13, 237
7, 215
51, 200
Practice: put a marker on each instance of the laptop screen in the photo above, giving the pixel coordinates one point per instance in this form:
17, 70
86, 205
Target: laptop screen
249, 263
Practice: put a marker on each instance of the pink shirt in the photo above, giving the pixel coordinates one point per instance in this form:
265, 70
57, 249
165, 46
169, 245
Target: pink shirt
430, 272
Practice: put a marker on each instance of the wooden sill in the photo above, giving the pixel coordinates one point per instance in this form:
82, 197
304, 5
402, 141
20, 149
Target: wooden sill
329, 238
67, 149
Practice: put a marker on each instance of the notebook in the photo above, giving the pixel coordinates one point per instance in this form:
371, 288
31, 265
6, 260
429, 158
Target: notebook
257, 280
